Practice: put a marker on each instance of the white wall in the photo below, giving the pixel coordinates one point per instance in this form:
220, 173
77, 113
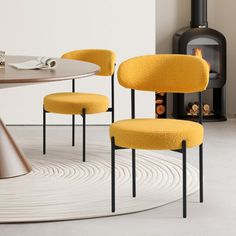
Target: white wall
175, 14
42, 27
171, 15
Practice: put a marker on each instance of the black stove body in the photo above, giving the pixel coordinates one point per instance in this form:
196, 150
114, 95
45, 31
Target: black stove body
200, 40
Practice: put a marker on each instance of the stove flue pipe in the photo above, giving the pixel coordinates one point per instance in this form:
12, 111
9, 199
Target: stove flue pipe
199, 14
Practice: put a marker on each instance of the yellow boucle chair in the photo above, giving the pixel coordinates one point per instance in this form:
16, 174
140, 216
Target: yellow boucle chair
74, 103
160, 73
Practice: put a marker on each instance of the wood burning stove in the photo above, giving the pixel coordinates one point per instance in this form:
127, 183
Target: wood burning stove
199, 40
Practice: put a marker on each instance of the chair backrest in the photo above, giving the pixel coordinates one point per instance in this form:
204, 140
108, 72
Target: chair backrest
165, 73
104, 58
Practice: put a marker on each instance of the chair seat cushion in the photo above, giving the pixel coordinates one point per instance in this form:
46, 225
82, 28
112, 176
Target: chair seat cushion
156, 134
74, 103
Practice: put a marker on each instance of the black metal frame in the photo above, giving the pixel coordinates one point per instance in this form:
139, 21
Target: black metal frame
73, 117
110, 109
183, 150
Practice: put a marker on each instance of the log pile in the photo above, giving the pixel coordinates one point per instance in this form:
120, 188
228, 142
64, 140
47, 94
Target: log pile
160, 105
193, 109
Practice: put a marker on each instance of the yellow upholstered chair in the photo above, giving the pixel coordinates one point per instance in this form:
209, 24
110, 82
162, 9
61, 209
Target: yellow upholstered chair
160, 73
75, 103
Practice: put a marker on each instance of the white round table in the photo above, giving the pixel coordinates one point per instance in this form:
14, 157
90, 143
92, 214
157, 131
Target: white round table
12, 160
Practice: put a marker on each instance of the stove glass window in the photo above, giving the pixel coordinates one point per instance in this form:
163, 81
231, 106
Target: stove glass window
209, 50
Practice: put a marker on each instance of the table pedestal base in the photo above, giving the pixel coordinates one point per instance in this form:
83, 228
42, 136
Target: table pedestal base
12, 160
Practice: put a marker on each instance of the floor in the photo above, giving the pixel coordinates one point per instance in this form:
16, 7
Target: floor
216, 216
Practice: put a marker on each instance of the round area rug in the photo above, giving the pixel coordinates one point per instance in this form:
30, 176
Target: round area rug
61, 187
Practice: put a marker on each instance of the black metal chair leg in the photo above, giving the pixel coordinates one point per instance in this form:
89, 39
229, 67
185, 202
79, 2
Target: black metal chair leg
112, 100
201, 171
84, 135
134, 172
184, 179
73, 116
44, 132
73, 130
112, 116
113, 174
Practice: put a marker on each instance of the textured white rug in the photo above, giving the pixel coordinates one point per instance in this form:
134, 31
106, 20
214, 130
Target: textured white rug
61, 187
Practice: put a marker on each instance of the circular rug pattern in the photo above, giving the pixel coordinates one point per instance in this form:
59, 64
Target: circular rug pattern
62, 187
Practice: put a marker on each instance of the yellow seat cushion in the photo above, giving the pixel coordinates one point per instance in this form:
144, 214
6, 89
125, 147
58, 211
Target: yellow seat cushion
156, 134
74, 103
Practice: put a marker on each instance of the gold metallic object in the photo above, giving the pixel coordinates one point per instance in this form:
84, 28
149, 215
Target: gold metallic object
12, 160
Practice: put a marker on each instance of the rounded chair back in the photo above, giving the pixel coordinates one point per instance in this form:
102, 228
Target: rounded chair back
165, 73
104, 58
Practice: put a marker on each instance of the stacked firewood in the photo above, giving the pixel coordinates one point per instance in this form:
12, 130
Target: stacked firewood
193, 109
160, 105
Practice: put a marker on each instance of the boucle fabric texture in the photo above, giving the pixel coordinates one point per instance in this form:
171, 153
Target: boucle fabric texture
106, 59
156, 134
165, 73
74, 103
